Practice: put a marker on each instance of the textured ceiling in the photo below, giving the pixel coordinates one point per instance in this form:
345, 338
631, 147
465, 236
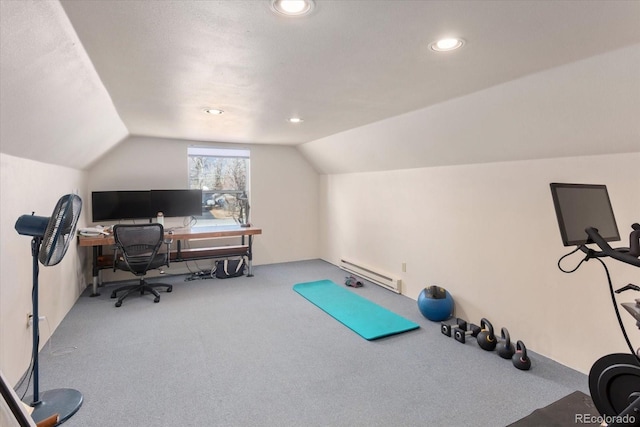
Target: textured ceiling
347, 64
78, 76
53, 106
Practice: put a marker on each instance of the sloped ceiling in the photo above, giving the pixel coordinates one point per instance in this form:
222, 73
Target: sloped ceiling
78, 76
53, 106
588, 107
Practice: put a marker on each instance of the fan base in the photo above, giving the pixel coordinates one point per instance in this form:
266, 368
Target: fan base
62, 401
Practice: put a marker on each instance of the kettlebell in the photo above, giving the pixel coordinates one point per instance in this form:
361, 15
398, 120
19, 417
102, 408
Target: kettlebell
505, 348
486, 338
520, 359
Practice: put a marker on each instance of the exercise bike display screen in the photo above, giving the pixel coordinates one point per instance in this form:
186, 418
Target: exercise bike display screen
579, 206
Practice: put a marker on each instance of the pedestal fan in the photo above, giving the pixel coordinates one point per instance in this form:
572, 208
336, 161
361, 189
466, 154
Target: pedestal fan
51, 238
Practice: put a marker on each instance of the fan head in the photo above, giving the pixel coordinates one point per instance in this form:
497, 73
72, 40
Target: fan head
56, 231
61, 229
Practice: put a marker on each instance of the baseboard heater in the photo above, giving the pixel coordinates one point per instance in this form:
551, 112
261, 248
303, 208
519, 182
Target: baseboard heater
382, 279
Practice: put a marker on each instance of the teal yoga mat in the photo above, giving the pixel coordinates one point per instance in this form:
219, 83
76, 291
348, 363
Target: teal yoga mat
367, 319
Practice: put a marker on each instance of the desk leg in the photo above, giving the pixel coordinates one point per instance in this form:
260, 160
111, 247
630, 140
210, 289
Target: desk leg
95, 271
249, 256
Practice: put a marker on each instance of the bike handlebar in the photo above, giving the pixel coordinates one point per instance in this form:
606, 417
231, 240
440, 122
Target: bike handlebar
628, 256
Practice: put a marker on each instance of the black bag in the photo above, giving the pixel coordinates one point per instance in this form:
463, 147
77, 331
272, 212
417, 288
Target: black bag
230, 268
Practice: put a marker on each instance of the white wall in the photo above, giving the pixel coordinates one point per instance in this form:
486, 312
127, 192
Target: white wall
486, 229
284, 190
488, 233
29, 186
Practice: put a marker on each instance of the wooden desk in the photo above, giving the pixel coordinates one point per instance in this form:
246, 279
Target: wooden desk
180, 254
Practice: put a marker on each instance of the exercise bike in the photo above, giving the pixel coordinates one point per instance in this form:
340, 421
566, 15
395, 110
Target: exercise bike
614, 379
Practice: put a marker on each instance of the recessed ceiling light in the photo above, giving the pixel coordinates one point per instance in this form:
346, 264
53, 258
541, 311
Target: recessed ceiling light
292, 7
445, 45
214, 111
295, 120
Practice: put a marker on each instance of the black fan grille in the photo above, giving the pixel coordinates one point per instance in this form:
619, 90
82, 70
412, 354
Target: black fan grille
60, 230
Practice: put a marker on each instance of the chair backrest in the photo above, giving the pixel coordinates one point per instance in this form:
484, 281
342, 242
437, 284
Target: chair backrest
138, 243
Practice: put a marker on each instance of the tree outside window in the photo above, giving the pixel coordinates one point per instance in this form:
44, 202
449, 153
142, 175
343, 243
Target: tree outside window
223, 176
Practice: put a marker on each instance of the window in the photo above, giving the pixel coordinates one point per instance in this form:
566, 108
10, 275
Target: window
223, 176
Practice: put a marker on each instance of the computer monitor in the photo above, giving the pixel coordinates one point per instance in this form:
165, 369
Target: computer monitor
579, 206
176, 203
118, 205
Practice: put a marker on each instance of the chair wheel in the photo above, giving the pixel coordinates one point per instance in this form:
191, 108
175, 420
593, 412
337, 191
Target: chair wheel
157, 299
118, 304
113, 294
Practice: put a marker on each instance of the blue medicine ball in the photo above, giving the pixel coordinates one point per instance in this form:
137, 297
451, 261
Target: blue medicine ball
435, 303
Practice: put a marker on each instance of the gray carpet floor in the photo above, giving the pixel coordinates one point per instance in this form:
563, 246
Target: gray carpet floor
252, 352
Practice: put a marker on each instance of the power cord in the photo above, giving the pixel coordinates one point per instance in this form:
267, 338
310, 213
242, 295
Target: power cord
200, 272
571, 253
189, 221
26, 376
615, 306
35, 348
612, 292
57, 351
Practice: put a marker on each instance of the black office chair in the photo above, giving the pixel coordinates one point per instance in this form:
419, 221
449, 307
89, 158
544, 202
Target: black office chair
137, 251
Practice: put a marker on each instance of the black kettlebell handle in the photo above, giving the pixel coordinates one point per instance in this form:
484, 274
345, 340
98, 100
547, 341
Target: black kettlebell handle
520, 348
504, 334
520, 358
488, 328
505, 348
486, 338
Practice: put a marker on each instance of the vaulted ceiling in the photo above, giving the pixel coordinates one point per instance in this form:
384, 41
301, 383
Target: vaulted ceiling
78, 76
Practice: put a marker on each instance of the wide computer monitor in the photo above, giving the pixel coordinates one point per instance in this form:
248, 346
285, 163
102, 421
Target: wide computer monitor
580, 206
118, 205
176, 203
